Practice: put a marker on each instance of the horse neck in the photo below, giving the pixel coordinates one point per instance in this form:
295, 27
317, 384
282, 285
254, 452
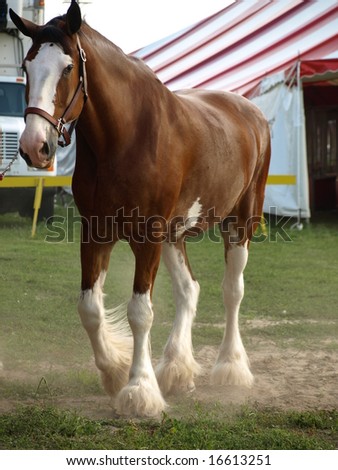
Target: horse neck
119, 87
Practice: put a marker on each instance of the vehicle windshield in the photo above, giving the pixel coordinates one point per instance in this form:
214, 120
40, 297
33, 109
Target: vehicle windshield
12, 99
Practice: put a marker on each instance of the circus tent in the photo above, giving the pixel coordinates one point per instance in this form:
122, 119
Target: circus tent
283, 55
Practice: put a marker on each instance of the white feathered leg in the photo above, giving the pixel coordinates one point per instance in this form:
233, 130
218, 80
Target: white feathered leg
177, 367
142, 396
109, 336
232, 365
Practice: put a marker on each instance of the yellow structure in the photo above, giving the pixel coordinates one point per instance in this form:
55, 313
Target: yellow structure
281, 179
40, 182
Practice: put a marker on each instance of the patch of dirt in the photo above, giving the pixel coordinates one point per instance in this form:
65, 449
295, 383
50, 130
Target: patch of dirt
284, 379
287, 379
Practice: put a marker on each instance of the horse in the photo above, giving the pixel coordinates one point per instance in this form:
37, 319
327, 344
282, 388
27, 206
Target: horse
153, 167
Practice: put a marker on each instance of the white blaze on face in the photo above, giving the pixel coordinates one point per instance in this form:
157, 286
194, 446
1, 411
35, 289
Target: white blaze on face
44, 73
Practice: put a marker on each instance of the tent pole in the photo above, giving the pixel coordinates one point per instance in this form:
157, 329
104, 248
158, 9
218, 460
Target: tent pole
299, 225
298, 123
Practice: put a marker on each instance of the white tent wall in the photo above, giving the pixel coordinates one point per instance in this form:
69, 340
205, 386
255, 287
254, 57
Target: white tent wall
283, 107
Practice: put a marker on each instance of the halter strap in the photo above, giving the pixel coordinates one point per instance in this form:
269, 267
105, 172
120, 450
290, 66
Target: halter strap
59, 124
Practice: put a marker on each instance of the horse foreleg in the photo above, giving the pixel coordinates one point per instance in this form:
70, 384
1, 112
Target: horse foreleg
177, 367
142, 396
232, 365
109, 336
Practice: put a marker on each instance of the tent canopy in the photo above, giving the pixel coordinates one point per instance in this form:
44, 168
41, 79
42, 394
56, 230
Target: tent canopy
242, 44
319, 72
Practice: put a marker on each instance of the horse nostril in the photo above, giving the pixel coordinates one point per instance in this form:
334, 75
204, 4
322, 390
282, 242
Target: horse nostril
45, 148
26, 157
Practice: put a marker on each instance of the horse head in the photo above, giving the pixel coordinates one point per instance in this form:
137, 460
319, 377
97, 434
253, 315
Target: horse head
55, 71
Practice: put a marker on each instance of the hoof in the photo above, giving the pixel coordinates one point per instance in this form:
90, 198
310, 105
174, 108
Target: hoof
175, 376
140, 399
232, 373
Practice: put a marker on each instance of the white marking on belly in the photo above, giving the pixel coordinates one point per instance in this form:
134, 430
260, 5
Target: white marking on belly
194, 213
192, 218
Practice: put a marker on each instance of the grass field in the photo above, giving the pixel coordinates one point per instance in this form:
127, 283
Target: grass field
290, 304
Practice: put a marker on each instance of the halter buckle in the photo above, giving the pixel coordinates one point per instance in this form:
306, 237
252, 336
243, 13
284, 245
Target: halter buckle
82, 54
60, 126
63, 132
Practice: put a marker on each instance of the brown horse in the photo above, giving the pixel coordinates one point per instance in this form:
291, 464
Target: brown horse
152, 167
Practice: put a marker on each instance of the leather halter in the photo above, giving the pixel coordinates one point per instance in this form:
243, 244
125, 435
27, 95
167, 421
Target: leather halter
59, 124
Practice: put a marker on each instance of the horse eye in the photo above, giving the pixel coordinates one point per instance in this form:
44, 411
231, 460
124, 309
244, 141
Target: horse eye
68, 69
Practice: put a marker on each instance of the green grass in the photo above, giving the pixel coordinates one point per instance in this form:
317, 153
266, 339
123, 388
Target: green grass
291, 286
49, 428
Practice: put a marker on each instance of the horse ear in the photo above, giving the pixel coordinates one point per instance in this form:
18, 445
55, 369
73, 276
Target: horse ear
73, 18
25, 26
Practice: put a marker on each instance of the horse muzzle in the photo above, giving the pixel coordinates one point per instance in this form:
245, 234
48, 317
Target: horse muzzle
38, 143
43, 157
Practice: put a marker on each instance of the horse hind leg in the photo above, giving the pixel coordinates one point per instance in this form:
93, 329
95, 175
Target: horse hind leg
232, 364
177, 367
109, 335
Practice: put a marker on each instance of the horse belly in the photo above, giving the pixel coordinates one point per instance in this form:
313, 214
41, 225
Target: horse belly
226, 150
214, 185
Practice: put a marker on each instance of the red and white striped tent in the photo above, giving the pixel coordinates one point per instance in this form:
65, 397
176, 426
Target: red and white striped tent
252, 47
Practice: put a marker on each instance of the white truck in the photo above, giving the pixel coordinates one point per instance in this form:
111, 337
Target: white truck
13, 48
